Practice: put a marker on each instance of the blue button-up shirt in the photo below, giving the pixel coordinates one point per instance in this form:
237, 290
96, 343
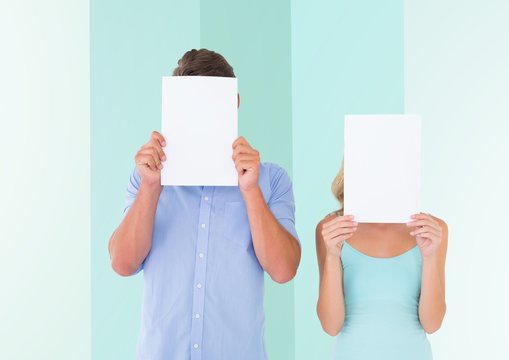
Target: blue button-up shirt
203, 288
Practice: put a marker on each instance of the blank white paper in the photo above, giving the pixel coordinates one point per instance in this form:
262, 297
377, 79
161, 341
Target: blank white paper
382, 167
199, 123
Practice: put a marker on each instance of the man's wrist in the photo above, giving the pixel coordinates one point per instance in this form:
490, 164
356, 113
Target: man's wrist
252, 196
151, 188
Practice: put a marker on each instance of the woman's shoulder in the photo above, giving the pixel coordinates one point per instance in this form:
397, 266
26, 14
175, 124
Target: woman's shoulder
440, 222
328, 217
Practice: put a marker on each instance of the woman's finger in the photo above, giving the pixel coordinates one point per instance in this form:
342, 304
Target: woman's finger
426, 222
338, 239
338, 219
339, 232
347, 226
425, 229
428, 235
424, 216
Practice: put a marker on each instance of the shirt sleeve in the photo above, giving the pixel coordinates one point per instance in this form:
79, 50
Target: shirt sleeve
130, 195
281, 201
131, 190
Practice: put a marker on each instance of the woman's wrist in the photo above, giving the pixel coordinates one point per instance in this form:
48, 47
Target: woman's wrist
333, 262
430, 261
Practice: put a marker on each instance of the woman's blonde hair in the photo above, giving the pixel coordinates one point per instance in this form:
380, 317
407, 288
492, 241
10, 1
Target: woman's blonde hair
338, 186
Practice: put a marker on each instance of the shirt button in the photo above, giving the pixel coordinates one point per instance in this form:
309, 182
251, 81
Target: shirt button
201, 255
197, 316
202, 226
206, 198
195, 346
198, 285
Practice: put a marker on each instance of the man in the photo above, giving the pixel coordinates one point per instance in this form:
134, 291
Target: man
204, 249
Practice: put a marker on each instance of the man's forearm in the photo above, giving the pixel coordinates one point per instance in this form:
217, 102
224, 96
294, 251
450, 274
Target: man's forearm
131, 242
276, 249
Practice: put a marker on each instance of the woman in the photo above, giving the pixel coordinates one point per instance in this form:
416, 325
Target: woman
381, 285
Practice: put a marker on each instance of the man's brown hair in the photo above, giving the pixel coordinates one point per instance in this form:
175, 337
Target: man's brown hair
203, 62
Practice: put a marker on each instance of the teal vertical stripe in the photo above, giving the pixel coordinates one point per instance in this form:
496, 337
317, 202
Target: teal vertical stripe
347, 57
254, 36
133, 44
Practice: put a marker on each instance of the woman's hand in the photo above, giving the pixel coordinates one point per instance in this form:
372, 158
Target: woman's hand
336, 231
427, 232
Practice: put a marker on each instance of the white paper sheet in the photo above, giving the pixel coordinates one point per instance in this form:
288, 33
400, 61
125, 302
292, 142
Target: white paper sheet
382, 167
199, 123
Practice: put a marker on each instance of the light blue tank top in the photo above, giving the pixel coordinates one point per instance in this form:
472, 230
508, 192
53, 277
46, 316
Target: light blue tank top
381, 299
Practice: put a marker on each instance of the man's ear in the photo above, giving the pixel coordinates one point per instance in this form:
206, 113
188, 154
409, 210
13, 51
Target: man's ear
238, 100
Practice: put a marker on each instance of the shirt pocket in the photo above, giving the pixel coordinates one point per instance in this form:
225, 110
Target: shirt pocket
237, 232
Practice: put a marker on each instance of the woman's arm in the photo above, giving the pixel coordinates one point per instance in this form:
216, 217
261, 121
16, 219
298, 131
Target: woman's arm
431, 236
330, 235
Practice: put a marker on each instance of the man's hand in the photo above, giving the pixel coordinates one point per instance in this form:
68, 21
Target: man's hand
148, 160
247, 163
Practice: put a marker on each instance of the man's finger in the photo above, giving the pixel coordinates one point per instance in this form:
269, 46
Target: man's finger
155, 145
240, 140
243, 148
147, 160
159, 138
251, 157
152, 152
245, 165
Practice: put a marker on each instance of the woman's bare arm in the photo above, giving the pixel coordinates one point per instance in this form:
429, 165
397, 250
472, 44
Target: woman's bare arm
432, 237
330, 235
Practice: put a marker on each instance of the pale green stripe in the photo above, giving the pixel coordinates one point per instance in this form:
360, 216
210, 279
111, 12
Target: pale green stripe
456, 76
44, 182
